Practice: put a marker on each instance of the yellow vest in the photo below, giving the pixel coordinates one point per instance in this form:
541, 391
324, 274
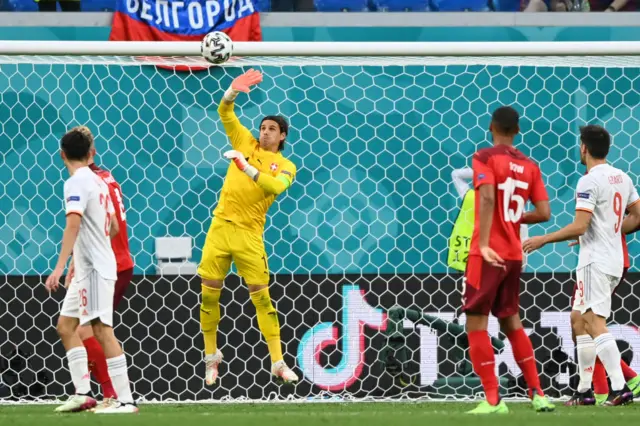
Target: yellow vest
460, 240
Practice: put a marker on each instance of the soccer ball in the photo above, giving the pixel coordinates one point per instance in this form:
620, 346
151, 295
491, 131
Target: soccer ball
216, 47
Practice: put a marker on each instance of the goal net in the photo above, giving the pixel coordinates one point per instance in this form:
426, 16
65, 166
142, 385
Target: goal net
358, 246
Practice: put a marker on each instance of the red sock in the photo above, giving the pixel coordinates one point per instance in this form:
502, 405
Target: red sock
98, 366
484, 364
523, 353
627, 371
600, 384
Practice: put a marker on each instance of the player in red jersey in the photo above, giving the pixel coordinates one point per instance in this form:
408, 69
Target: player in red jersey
120, 245
505, 180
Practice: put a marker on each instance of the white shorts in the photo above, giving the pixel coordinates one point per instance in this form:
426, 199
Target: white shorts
593, 290
90, 298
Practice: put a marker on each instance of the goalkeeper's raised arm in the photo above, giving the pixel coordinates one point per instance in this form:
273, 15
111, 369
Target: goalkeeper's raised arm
256, 175
273, 131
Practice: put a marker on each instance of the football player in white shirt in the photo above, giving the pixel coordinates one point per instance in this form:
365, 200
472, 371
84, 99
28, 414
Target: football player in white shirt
602, 196
89, 298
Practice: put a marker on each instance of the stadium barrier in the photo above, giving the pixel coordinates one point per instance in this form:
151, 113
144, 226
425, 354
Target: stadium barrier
332, 328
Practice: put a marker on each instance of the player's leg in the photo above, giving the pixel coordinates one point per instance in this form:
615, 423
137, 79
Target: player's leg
99, 314
117, 367
609, 354
598, 288
600, 383
76, 353
632, 378
97, 361
122, 284
506, 308
214, 266
586, 354
479, 290
585, 347
251, 259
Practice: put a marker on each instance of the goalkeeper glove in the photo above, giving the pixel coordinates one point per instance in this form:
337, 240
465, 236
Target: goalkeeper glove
242, 83
242, 163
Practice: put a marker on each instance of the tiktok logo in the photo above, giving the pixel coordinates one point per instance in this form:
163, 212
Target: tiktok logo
356, 314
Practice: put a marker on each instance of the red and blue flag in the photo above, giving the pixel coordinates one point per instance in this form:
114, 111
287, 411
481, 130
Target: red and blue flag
188, 20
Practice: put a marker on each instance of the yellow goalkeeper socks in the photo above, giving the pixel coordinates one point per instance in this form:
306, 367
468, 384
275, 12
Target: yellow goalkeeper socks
268, 322
209, 318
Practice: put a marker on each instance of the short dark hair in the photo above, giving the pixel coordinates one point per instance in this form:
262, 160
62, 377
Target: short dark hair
282, 123
505, 120
76, 144
596, 139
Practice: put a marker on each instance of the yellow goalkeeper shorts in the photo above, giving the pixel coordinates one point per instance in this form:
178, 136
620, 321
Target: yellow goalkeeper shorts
226, 242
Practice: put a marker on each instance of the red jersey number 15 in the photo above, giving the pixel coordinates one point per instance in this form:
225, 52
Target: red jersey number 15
508, 188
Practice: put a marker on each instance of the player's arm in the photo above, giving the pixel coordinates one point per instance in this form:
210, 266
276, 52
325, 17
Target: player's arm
70, 273
484, 183
271, 185
114, 229
71, 230
486, 207
237, 133
585, 204
541, 213
114, 226
632, 222
275, 185
540, 200
461, 178
572, 231
75, 199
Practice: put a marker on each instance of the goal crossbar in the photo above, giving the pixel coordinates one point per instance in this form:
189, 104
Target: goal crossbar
374, 49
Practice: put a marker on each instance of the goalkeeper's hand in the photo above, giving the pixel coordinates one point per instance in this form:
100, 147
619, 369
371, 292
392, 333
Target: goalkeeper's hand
242, 163
243, 84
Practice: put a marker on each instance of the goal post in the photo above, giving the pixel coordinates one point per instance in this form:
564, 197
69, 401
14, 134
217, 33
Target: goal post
295, 48
360, 237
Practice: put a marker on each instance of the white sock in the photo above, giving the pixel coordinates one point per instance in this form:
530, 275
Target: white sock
586, 361
608, 352
120, 378
79, 369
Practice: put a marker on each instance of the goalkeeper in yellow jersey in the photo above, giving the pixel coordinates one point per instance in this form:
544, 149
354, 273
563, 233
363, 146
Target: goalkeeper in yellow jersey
258, 173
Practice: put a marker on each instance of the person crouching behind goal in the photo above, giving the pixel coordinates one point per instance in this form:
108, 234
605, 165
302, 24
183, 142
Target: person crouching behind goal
258, 173
89, 299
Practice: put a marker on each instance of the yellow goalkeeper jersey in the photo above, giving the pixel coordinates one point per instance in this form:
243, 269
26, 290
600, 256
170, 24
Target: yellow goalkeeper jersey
242, 200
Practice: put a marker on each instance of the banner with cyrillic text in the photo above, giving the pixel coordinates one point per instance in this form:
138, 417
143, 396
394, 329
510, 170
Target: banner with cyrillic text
190, 20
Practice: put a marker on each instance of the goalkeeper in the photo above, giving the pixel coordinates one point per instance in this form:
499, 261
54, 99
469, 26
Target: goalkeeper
258, 173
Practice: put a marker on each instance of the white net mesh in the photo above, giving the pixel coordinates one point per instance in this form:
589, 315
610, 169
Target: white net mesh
364, 228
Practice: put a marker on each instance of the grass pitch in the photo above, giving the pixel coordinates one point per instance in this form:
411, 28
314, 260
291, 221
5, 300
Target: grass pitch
322, 414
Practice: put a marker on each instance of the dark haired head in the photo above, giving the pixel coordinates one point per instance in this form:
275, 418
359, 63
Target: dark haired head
76, 144
505, 121
282, 124
594, 140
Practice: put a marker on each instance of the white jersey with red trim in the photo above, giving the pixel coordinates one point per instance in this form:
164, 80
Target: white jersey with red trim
86, 194
605, 192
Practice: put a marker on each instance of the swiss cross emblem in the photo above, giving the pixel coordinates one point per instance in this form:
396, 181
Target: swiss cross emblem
273, 167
